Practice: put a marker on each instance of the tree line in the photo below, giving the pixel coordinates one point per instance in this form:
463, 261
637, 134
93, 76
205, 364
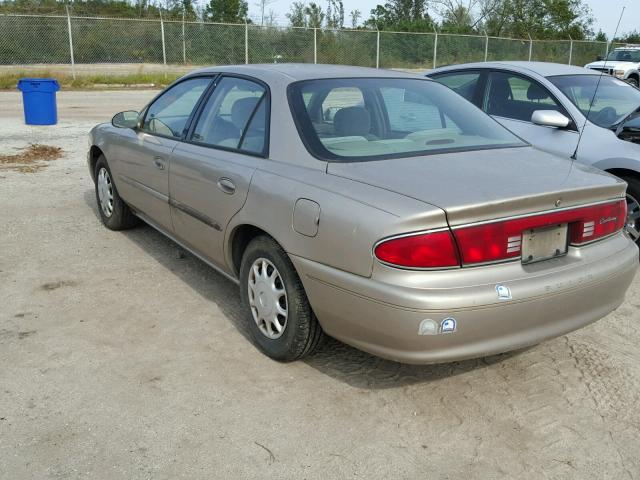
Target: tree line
541, 19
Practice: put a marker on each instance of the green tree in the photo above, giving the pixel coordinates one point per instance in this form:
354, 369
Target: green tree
297, 16
401, 15
315, 15
227, 11
355, 17
542, 19
601, 36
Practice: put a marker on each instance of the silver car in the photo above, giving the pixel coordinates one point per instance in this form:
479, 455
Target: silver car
547, 104
376, 207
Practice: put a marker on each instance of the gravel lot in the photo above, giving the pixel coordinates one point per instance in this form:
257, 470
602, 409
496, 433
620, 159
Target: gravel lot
122, 360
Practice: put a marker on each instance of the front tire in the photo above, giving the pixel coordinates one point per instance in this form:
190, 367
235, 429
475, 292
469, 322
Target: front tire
114, 213
633, 81
280, 318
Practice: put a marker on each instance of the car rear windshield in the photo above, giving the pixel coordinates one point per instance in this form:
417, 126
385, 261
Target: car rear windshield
356, 119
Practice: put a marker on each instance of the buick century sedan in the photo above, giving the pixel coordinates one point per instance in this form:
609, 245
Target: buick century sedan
375, 207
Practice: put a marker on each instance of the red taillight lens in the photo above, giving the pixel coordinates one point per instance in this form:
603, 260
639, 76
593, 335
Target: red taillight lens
424, 250
599, 221
501, 240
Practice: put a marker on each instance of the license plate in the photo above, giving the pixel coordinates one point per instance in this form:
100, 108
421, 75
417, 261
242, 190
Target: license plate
540, 244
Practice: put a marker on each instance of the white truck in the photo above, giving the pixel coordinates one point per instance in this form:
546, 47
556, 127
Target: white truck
622, 63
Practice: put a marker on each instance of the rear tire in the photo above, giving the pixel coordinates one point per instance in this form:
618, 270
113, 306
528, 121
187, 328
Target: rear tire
114, 213
280, 318
633, 206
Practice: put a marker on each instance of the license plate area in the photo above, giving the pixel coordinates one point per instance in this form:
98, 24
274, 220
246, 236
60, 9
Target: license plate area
544, 243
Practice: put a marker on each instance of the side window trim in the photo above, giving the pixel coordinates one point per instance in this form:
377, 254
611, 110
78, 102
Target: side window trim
210, 76
485, 99
266, 97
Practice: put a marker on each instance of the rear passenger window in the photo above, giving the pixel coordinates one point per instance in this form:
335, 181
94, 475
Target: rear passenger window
516, 97
234, 116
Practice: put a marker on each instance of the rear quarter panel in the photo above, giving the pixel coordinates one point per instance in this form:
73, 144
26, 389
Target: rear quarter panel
353, 216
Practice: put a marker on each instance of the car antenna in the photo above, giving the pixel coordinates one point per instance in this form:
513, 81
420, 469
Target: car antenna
593, 98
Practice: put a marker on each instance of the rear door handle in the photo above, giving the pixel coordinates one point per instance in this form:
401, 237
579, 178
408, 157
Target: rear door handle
226, 185
158, 162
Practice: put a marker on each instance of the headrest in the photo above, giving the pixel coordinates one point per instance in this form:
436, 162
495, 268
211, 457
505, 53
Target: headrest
352, 121
535, 92
241, 110
500, 88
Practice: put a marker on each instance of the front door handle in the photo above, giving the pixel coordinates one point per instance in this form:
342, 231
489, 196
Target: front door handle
158, 162
226, 185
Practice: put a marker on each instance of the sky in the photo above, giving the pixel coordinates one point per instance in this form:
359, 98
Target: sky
605, 12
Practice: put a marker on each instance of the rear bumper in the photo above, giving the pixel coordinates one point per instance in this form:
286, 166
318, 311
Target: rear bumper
548, 299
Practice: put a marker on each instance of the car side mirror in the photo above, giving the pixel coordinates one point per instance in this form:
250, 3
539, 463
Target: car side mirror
550, 118
599, 58
126, 119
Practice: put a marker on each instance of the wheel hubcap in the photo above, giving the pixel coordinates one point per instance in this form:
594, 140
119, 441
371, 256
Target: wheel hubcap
105, 192
267, 298
633, 218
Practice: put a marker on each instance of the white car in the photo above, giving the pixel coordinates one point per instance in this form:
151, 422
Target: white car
547, 104
622, 63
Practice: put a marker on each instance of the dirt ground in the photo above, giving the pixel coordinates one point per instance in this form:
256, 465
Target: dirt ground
122, 360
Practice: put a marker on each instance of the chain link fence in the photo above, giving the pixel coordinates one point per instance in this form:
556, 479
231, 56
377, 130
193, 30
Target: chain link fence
68, 39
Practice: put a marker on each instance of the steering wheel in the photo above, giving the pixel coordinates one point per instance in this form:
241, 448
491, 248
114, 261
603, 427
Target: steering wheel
606, 116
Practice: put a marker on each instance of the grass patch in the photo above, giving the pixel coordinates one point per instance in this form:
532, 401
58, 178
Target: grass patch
31, 159
9, 81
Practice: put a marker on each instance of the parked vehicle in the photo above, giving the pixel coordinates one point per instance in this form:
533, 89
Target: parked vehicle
377, 207
622, 63
547, 104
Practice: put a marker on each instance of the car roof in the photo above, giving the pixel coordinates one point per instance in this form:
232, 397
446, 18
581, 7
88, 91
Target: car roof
302, 71
546, 69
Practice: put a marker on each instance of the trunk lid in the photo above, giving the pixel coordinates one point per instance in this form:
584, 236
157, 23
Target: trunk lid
485, 185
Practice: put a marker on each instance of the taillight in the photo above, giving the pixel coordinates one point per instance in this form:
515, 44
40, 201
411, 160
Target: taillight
424, 250
497, 240
501, 240
599, 221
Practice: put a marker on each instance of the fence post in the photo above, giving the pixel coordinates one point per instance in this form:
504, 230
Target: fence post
435, 48
378, 49
570, 49
246, 41
315, 45
606, 50
73, 63
184, 45
530, 45
486, 45
164, 48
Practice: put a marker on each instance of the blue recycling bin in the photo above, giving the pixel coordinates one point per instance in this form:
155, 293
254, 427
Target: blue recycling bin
39, 100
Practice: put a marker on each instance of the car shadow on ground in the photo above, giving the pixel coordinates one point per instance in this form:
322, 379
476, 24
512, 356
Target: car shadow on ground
333, 358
